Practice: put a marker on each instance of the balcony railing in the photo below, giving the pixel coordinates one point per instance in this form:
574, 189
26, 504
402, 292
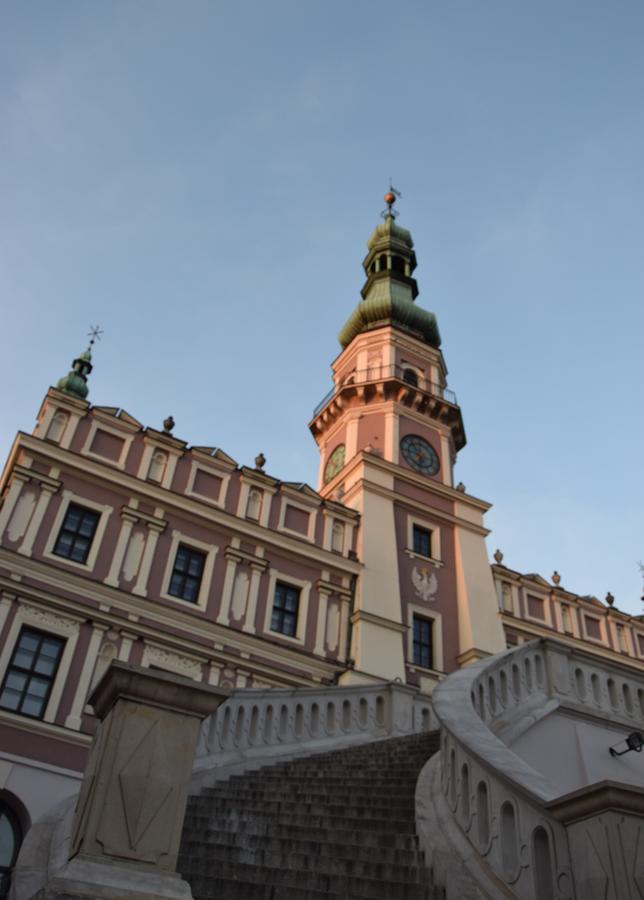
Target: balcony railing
403, 374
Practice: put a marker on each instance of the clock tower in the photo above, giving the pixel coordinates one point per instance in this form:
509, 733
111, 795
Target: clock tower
388, 435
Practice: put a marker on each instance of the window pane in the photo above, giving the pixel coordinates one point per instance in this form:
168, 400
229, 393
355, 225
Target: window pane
50, 649
31, 706
10, 699
195, 565
16, 680
72, 518
28, 641
24, 659
38, 687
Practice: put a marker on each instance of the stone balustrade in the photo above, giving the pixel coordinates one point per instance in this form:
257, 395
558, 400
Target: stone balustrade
507, 820
256, 725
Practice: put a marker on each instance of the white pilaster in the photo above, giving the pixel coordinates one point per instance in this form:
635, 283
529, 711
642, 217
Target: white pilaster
141, 586
73, 720
320, 634
344, 627
46, 493
253, 590
446, 460
5, 605
17, 483
223, 617
120, 549
126, 645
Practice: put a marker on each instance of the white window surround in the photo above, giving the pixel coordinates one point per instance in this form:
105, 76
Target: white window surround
602, 629
100, 425
573, 618
547, 620
503, 588
146, 459
246, 486
413, 519
210, 550
70, 428
302, 609
437, 636
105, 512
287, 500
50, 623
617, 629
223, 474
639, 644
329, 520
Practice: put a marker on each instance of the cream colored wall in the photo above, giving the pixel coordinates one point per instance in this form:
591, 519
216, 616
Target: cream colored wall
479, 625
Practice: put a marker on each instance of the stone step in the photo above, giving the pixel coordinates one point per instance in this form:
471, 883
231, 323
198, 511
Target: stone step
208, 859
336, 826
403, 850
231, 819
263, 829
343, 885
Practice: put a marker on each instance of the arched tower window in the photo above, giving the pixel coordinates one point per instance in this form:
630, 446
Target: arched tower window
382, 263
10, 840
57, 426
410, 376
398, 264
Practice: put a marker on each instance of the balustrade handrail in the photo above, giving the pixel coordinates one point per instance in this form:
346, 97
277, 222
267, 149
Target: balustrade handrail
380, 373
260, 722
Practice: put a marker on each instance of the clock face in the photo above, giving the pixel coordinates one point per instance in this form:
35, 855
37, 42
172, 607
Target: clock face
420, 454
335, 463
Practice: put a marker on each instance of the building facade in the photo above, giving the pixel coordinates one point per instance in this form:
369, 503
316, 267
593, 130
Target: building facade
119, 541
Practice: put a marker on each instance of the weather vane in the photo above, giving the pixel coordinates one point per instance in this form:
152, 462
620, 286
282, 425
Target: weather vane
390, 199
94, 334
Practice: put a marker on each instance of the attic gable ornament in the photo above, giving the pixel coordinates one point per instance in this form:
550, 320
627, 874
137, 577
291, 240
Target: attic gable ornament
425, 583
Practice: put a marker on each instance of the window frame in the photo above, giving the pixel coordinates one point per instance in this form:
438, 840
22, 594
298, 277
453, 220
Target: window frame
422, 612
31, 672
434, 529
104, 511
40, 619
429, 622
282, 610
421, 531
76, 533
193, 553
210, 551
299, 638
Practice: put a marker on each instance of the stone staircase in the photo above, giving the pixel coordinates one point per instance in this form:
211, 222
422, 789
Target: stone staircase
335, 826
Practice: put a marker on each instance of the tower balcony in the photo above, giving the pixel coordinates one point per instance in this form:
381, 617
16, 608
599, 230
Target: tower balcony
392, 383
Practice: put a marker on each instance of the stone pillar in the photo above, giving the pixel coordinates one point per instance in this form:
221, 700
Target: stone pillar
141, 586
131, 806
47, 491
127, 523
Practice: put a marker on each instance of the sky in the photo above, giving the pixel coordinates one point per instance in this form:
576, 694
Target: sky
201, 178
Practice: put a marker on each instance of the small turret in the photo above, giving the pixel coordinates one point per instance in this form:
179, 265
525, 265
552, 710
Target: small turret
75, 382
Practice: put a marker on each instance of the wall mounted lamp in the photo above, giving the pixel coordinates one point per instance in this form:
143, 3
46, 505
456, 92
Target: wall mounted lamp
635, 741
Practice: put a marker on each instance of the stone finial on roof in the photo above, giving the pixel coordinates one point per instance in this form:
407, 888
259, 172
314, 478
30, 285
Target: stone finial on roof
260, 462
556, 578
610, 599
168, 424
498, 556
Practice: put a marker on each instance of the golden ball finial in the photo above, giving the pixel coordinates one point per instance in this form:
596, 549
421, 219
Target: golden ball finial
390, 198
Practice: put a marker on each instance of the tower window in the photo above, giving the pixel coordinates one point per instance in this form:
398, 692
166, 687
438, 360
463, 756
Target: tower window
186, 574
382, 263
31, 673
410, 376
422, 538
398, 264
285, 608
77, 533
423, 647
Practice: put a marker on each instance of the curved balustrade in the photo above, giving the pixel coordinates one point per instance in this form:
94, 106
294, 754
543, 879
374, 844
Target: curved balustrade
255, 725
499, 804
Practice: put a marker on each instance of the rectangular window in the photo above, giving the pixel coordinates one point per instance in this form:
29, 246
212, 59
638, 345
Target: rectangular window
536, 607
186, 574
423, 655
422, 538
593, 628
285, 606
506, 593
31, 673
77, 533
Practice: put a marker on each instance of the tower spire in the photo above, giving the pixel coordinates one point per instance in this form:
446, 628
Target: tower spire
75, 382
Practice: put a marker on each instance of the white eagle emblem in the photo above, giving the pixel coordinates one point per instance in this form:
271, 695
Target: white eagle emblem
425, 583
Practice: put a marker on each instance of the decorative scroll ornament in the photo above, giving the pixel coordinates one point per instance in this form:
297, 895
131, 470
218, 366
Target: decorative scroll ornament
425, 583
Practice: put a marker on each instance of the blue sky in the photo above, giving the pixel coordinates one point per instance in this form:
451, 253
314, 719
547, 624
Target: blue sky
200, 178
